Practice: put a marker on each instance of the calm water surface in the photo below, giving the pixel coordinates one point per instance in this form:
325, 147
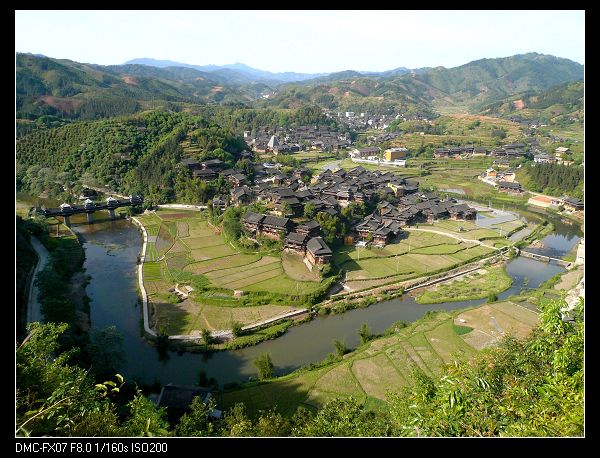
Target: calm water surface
112, 248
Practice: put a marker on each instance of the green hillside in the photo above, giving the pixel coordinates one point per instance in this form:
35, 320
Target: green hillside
557, 104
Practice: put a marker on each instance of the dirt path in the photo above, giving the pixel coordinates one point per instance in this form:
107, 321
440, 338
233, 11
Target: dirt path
478, 242
33, 305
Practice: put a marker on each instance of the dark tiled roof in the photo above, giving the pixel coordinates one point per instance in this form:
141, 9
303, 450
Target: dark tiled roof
318, 247
251, 217
296, 237
275, 221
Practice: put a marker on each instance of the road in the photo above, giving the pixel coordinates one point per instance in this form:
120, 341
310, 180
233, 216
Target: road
33, 306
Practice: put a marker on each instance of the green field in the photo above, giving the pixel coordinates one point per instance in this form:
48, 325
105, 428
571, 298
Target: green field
185, 248
476, 285
421, 252
385, 363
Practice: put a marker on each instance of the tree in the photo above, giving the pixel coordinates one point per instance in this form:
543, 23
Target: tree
285, 209
206, 337
197, 423
364, 333
529, 387
105, 350
247, 167
272, 424
344, 417
236, 422
340, 347
55, 398
264, 365
330, 225
310, 210
236, 328
145, 419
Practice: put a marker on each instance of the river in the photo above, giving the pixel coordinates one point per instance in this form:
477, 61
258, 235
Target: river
112, 248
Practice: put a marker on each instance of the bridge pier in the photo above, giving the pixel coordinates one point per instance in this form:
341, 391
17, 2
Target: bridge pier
90, 218
111, 212
67, 221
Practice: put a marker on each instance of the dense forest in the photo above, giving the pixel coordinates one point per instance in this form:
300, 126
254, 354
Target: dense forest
532, 387
555, 180
137, 154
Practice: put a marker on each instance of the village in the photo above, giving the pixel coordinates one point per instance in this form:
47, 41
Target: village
293, 201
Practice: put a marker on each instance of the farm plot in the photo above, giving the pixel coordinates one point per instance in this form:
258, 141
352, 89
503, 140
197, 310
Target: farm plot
378, 268
152, 271
152, 230
471, 253
283, 284
225, 262
217, 317
151, 252
215, 251
376, 375
203, 241
441, 249
183, 229
178, 261
259, 275
294, 267
264, 264
199, 228
164, 240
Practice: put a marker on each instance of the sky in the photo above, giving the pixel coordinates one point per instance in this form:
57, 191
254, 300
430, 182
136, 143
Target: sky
300, 41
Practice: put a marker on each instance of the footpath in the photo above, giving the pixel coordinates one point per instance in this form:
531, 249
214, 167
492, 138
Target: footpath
33, 305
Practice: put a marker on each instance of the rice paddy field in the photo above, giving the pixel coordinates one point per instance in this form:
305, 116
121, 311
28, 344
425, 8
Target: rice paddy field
422, 251
183, 247
386, 363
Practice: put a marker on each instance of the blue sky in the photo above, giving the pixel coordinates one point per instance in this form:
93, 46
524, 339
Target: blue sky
300, 41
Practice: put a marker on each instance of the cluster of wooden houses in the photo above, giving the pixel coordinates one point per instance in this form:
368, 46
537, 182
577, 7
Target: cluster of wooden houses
510, 151
398, 204
562, 155
385, 224
302, 239
294, 139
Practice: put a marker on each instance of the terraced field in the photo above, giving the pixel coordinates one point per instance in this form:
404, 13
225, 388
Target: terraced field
184, 247
387, 363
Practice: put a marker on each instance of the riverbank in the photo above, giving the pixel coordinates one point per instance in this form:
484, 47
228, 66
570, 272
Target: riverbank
57, 287
386, 362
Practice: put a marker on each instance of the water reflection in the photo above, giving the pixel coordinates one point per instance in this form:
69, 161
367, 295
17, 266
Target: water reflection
112, 248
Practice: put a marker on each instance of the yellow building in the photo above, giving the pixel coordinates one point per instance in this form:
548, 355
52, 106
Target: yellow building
392, 154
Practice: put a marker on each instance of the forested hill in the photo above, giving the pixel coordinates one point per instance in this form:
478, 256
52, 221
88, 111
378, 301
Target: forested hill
73, 90
471, 85
552, 105
136, 154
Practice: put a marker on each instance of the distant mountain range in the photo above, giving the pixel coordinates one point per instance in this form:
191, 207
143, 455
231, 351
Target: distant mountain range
65, 88
235, 71
244, 73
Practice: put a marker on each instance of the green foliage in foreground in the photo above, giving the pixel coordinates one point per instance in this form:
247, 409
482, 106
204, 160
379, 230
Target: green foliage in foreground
532, 387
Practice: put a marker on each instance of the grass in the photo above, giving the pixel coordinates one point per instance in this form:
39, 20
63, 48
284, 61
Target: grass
461, 330
385, 363
474, 286
193, 251
294, 267
429, 251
